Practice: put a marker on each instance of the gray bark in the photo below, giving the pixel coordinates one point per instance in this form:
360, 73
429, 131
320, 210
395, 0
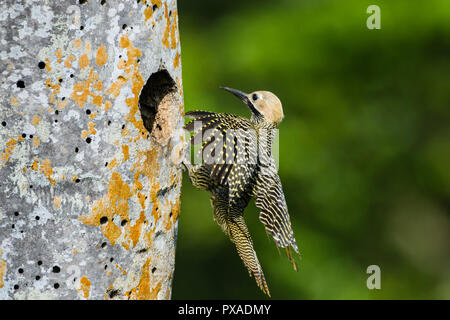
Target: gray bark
90, 148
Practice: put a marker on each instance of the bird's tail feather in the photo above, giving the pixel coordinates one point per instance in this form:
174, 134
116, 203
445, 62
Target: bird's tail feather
291, 258
241, 237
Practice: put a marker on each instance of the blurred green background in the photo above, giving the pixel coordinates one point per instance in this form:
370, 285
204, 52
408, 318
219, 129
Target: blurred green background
364, 146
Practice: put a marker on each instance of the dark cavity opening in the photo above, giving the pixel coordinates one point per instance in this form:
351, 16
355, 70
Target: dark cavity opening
158, 103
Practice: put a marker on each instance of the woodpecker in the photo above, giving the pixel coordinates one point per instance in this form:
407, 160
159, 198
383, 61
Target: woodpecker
238, 165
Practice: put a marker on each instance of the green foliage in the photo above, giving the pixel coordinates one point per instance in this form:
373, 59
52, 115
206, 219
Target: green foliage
364, 147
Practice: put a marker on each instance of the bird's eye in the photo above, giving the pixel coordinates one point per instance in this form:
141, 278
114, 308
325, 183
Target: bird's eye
255, 97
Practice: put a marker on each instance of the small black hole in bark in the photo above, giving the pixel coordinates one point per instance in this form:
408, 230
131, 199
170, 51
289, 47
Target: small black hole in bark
20, 84
112, 293
103, 220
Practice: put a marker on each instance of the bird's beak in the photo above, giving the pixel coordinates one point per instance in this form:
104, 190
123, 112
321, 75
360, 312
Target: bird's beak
244, 97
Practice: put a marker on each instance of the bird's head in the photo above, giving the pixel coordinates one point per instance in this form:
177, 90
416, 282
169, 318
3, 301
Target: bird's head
264, 105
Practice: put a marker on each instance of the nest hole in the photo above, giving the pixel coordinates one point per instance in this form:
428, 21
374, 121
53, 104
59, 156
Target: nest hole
158, 103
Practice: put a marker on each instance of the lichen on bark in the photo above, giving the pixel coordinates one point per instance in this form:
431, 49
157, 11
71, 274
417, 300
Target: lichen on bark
81, 212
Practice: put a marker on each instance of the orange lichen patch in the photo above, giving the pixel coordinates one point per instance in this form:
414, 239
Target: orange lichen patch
61, 104
148, 13
36, 142
68, 61
113, 164
85, 286
93, 115
176, 210
74, 251
77, 43
134, 231
14, 101
176, 61
97, 100
101, 57
81, 90
35, 165
141, 199
36, 120
10, 146
157, 2
126, 152
58, 53
91, 130
108, 105
56, 89
173, 216
172, 31
116, 203
168, 294
154, 199
98, 85
2, 270
56, 203
114, 90
146, 165
47, 170
165, 39
131, 69
143, 290
74, 178
83, 61
47, 65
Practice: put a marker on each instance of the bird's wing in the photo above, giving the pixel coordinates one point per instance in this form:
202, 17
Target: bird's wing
269, 198
231, 137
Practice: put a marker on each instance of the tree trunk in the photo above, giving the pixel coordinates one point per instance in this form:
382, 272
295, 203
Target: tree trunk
90, 148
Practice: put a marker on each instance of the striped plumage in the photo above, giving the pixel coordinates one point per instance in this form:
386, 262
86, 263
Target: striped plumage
245, 169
